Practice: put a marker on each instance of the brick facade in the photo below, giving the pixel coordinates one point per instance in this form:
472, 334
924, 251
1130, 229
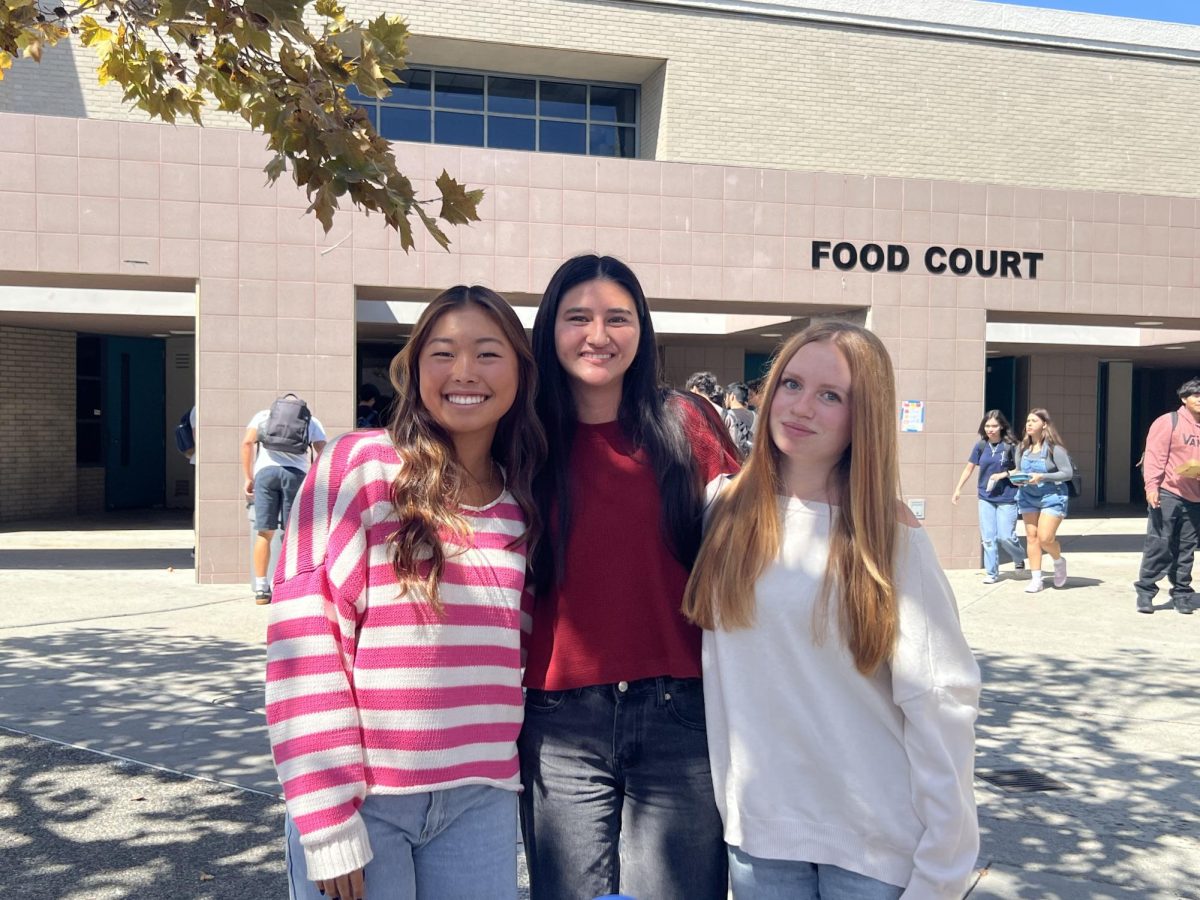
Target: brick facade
37, 423
790, 93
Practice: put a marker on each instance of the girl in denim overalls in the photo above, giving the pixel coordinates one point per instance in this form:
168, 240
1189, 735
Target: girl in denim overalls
1043, 470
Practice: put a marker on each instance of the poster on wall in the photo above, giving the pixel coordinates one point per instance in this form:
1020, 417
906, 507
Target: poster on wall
912, 415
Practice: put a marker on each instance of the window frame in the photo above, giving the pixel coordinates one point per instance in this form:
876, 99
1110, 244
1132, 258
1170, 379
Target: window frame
374, 108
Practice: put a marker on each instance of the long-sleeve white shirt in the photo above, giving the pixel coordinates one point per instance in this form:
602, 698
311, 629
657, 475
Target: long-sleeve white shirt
813, 761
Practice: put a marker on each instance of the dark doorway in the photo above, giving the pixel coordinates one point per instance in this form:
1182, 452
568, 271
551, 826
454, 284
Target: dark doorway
134, 428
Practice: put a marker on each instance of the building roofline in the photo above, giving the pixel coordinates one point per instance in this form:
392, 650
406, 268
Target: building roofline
976, 20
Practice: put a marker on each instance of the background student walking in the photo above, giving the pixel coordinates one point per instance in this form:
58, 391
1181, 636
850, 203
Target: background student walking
1042, 473
276, 453
1173, 501
994, 452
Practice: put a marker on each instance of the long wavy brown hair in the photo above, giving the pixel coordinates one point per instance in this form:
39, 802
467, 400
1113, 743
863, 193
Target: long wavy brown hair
1050, 435
427, 493
744, 531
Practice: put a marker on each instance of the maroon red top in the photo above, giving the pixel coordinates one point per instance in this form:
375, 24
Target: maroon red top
616, 617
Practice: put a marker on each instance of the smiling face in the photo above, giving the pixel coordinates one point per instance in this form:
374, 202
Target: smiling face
596, 335
992, 429
810, 412
468, 373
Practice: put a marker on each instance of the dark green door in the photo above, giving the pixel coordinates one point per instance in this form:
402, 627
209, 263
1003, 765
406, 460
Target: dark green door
134, 429
1000, 389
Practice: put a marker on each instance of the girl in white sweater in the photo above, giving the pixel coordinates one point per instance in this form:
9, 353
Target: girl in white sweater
840, 693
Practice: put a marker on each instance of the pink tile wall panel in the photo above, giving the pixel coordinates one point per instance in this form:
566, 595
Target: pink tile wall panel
138, 199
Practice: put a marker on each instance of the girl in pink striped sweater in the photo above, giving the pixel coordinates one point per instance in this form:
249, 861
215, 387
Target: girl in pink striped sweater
394, 646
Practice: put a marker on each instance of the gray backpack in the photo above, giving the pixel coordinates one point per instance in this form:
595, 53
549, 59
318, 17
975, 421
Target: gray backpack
741, 429
286, 428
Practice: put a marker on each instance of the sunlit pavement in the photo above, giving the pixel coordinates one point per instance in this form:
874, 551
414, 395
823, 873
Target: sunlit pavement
134, 756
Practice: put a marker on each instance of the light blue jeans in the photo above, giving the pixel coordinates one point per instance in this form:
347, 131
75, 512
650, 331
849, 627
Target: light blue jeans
753, 878
456, 844
996, 523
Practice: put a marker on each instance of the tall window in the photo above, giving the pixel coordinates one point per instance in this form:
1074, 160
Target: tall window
471, 109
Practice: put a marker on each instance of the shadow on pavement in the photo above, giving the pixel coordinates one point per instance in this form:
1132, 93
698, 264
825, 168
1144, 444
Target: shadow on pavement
70, 558
1086, 722
77, 827
1103, 543
120, 520
184, 702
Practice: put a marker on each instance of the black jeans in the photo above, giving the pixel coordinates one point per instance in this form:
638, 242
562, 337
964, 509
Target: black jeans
1172, 532
619, 795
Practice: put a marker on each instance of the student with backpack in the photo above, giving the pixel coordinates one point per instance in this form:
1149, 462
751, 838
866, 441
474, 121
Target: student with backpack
275, 458
995, 451
739, 418
1173, 503
1042, 473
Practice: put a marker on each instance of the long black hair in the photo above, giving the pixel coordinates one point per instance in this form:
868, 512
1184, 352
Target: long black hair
1006, 435
646, 415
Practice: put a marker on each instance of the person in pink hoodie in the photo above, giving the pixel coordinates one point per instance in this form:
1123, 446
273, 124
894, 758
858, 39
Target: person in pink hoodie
1173, 501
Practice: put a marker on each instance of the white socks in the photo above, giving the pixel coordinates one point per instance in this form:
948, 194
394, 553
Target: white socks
1035, 583
262, 584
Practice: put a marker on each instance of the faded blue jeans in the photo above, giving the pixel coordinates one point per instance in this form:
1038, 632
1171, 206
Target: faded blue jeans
454, 844
618, 793
754, 878
996, 522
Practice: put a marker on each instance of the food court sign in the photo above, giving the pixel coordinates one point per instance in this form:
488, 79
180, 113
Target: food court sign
938, 260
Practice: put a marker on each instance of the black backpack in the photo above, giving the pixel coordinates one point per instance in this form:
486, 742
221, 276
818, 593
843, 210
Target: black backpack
185, 438
286, 428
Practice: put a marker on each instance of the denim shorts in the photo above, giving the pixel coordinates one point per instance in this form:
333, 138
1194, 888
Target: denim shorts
1052, 503
275, 487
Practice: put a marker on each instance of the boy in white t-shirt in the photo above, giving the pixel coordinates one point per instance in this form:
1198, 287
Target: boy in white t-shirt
273, 478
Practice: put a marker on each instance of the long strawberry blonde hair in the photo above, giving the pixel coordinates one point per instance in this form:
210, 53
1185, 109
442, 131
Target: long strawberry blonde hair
745, 527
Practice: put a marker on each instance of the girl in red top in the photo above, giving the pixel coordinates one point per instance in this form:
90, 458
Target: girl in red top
617, 789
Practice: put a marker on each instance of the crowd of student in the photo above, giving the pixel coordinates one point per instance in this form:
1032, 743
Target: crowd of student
550, 590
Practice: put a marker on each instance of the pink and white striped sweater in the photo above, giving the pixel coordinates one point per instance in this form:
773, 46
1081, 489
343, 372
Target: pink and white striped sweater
368, 691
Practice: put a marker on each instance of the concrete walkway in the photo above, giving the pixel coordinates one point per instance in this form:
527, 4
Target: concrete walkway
135, 763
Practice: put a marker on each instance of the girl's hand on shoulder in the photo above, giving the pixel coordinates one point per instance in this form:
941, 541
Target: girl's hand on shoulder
345, 887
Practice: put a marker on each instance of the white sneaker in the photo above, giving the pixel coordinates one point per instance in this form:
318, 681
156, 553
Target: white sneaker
990, 579
1035, 585
1060, 572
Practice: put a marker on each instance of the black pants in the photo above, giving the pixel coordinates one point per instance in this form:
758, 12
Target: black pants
1171, 536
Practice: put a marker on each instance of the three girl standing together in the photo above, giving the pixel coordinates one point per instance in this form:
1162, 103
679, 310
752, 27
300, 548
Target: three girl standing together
834, 704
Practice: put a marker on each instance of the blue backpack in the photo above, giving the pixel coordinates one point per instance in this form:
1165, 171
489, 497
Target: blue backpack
185, 438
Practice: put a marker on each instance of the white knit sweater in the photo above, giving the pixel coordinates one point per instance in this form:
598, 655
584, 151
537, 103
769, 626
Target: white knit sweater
813, 761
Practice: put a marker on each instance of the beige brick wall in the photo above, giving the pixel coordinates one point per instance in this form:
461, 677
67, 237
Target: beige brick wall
792, 94
91, 491
1065, 386
37, 423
